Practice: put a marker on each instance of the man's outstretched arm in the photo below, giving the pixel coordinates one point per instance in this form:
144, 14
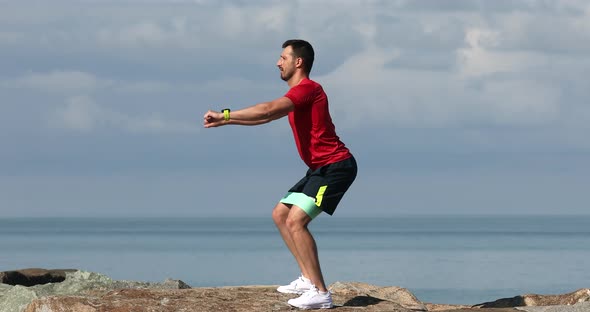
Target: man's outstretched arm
250, 116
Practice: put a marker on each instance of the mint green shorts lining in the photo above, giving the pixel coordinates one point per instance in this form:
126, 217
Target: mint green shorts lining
302, 201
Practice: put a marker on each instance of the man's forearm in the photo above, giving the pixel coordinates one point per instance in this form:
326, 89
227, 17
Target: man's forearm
261, 113
246, 122
255, 114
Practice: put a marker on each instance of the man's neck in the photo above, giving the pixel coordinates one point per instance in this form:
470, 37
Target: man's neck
296, 79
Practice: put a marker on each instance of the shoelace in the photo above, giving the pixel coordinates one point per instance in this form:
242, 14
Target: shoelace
311, 292
297, 282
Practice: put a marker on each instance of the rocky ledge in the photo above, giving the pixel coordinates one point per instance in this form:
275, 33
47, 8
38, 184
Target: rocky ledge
92, 292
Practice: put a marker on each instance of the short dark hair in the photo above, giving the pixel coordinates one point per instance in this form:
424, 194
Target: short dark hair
302, 49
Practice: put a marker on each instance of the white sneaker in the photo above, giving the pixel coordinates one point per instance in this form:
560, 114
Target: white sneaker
298, 286
312, 299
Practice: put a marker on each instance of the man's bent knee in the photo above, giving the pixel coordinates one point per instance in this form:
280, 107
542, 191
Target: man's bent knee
297, 219
294, 225
280, 213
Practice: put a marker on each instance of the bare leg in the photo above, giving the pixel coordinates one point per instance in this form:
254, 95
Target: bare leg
279, 216
305, 246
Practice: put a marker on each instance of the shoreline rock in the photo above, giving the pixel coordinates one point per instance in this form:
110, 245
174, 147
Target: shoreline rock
580, 295
33, 276
76, 283
82, 291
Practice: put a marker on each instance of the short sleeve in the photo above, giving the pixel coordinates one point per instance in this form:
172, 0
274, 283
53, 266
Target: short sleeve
300, 95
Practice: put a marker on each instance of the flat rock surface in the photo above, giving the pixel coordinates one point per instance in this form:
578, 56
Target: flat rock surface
251, 298
93, 292
481, 310
578, 307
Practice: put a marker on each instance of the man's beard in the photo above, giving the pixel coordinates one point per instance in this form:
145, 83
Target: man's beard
286, 76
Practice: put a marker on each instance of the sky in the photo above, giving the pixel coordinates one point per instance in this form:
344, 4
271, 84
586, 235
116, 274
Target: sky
450, 107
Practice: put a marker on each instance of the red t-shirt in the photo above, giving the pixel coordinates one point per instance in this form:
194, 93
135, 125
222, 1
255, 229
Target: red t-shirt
314, 132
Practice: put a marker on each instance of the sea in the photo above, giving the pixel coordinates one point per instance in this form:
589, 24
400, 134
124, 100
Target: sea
441, 259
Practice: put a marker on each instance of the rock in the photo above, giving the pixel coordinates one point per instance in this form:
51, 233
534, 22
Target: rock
77, 283
580, 295
434, 307
399, 295
578, 307
174, 284
32, 277
236, 299
16, 298
82, 291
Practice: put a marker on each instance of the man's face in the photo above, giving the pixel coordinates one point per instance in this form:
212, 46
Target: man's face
286, 63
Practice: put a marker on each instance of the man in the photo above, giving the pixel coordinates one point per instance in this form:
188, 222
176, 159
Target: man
332, 168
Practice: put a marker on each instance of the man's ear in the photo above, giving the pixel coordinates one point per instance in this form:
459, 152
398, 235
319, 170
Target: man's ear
298, 62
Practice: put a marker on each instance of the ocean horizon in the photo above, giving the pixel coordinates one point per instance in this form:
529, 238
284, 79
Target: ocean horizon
441, 259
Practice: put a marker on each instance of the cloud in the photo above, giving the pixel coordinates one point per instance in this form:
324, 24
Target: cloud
146, 87
394, 63
448, 86
81, 113
9, 38
58, 81
146, 34
474, 68
432, 98
552, 32
198, 28
258, 20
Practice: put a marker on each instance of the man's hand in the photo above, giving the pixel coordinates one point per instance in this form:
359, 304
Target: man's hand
213, 119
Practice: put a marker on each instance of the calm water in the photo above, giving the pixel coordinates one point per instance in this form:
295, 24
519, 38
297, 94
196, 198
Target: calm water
447, 259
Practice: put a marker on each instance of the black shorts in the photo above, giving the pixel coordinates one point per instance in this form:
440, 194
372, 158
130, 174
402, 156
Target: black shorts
328, 184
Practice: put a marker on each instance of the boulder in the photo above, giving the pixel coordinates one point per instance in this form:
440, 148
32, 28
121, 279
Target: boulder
33, 276
357, 291
77, 283
580, 295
